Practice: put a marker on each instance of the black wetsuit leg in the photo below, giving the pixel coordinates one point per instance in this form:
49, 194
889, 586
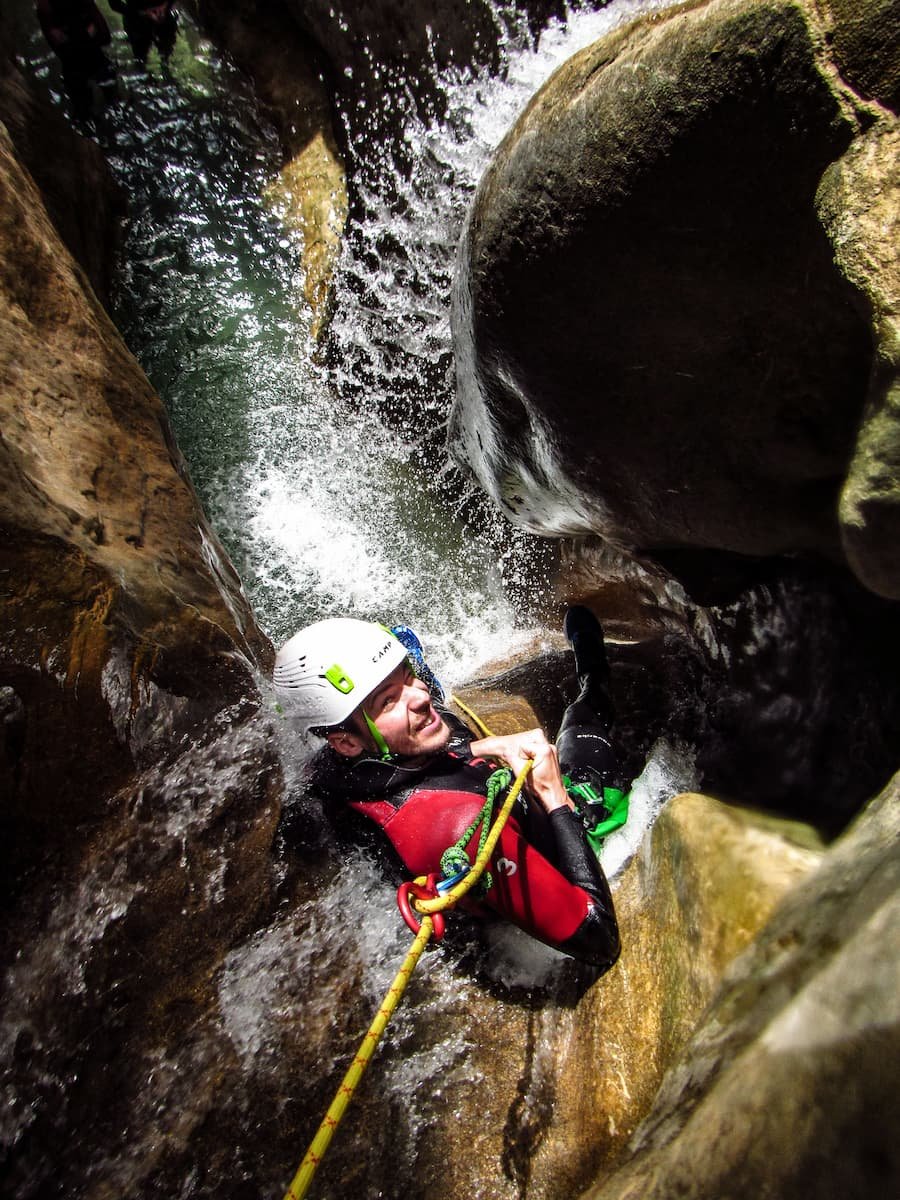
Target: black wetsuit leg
559, 836
83, 62
583, 743
139, 30
586, 755
143, 33
166, 33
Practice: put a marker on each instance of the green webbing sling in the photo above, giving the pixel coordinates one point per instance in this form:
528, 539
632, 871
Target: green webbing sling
614, 801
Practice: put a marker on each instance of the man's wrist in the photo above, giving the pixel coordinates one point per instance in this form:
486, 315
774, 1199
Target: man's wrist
553, 798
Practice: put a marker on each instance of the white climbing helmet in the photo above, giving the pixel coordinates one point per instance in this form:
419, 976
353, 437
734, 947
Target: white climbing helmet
326, 670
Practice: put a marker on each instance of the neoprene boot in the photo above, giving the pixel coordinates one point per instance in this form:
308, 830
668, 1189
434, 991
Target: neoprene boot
586, 753
585, 633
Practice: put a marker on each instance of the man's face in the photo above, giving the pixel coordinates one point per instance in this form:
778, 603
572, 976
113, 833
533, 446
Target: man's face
402, 710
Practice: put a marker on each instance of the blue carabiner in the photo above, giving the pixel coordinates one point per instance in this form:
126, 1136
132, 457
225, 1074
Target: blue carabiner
444, 885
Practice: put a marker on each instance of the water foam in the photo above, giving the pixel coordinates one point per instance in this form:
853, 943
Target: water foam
669, 769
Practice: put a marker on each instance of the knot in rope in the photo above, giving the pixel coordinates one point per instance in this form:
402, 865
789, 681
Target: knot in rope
455, 860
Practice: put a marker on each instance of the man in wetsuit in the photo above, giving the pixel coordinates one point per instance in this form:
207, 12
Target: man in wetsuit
395, 754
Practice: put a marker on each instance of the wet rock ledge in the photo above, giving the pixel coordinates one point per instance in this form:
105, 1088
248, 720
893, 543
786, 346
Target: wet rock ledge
139, 786
125, 626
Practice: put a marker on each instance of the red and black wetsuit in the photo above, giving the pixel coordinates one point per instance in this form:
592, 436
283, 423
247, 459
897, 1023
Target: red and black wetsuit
546, 878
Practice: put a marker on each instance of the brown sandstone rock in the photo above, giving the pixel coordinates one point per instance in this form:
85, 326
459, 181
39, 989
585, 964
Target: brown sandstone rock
705, 882
311, 196
637, 599
140, 786
661, 335
288, 73
109, 1037
859, 204
125, 625
788, 1086
520, 692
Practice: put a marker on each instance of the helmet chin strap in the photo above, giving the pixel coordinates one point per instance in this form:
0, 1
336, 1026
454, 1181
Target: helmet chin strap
378, 738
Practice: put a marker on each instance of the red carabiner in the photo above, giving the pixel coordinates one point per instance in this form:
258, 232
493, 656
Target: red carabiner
421, 891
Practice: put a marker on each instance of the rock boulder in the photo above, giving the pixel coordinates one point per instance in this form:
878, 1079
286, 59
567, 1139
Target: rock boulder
125, 626
788, 1086
675, 316
139, 780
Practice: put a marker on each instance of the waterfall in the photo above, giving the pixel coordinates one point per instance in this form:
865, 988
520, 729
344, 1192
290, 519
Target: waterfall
323, 481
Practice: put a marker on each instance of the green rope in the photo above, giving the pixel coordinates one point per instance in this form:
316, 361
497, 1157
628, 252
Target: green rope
455, 858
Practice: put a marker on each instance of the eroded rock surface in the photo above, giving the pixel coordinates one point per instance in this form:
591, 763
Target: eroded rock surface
789, 1083
705, 882
676, 311
139, 780
120, 606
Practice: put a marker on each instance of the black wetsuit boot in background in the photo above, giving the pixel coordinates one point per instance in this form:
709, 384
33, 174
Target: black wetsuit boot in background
583, 743
585, 634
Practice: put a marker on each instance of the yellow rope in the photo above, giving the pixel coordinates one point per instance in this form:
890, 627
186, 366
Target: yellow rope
473, 717
480, 865
319, 1144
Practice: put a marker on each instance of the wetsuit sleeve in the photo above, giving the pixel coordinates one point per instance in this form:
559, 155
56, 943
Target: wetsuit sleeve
578, 863
575, 858
565, 903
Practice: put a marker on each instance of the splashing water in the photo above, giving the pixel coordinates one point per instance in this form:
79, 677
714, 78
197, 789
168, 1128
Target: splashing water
323, 481
670, 769
413, 236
